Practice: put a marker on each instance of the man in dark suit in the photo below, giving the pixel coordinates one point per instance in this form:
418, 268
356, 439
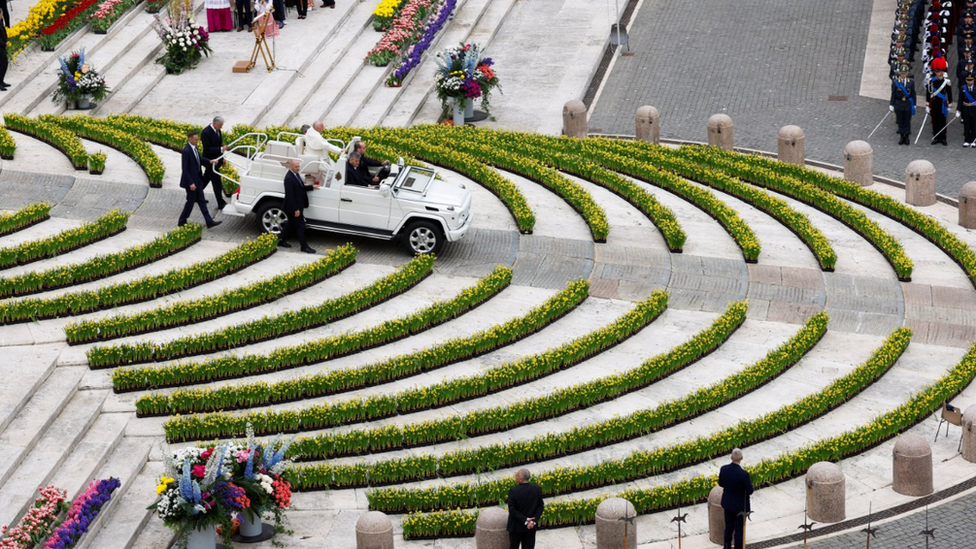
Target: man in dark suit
191, 181
365, 163
737, 486
296, 200
213, 147
3, 50
355, 175
524, 511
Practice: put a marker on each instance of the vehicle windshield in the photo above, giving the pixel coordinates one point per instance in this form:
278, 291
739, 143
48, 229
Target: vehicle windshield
417, 179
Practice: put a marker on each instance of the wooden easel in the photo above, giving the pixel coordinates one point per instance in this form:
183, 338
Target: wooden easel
260, 42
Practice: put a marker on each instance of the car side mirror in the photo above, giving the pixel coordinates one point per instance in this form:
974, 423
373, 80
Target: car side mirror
400, 162
385, 189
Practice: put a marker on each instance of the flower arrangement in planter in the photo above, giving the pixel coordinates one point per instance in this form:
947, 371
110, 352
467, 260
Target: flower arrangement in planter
186, 42
39, 521
258, 470
7, 144
78, 82
405, 30
463, 76
84, 509
196, 495
107, 13
416, 51
96, 163
53, 34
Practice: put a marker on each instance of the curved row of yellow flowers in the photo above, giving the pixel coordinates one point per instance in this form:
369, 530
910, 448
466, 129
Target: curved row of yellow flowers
105, 132
553, 445
188, 373
509, 374
647, 463
25, 217
141, 289
236, 396
101, 266
7, 144
32, 250
59, 138
267, 327
226, 302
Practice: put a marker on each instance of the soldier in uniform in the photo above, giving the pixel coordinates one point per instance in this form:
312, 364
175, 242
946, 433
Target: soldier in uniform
938, 96
903, 103
967, 106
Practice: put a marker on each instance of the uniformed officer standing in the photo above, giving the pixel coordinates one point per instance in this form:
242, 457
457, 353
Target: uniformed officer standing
967, 106
938, 95
903, 103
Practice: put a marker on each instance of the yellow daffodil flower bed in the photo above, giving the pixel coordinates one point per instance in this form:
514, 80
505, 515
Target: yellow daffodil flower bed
142, 289
59, 138
39, 16
230, 300
25, 217
101, 266
7, 144
229, 367
553, 445
653, 462
109, 224
229, 397
510, 374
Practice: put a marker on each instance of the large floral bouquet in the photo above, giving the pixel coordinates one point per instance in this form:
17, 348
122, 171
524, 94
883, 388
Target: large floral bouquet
463, 75
78, 78
186, 42
197, 492
257, 469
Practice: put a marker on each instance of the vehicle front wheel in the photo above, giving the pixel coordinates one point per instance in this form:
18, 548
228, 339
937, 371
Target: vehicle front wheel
423, 237
271, 217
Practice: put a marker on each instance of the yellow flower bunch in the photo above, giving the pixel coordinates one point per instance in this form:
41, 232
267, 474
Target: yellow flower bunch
386, 8
40, 15
164, 484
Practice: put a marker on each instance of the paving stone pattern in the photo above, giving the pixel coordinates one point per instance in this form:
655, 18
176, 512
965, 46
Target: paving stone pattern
766, 64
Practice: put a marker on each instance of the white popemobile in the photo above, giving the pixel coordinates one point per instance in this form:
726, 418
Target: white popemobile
411, 203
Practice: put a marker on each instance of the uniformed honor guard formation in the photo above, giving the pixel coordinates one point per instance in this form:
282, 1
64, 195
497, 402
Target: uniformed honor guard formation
943, 21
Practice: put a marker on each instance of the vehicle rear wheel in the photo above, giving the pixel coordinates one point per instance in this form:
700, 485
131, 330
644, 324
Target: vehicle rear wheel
271, 217
423, 237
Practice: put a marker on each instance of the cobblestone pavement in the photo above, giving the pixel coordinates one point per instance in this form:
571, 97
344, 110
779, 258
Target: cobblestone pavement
765, 64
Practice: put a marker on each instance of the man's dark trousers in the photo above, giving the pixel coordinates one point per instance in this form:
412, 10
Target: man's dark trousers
733, 525
195, 197
525, 539
295, 225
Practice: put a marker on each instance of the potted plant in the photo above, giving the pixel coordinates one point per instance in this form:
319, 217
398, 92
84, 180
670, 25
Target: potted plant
96, 163
257, 469
186, 42
195, 496
78, 82
462, 77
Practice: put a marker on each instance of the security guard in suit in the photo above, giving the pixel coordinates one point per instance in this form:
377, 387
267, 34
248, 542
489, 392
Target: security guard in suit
903, 103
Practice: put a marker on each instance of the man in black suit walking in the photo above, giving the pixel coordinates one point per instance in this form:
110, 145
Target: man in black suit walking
4, 63
191, 181
524, 510
296, 200
737, 486
213, 147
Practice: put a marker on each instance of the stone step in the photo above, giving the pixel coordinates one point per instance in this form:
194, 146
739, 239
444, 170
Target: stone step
126, 462
418, 90
21, 373
341, 75
33, 418
130, 524
124, 98
33, 88
49, 452
354, 21
345, 110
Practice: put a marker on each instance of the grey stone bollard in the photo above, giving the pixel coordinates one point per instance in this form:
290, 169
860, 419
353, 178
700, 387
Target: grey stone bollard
490, 532
609, 527
790, 141
716, 516
374, 531
967, 205
969, 434
647, 125
721, 131
920, 183
912, 465
826, 491
574, 119
859, 163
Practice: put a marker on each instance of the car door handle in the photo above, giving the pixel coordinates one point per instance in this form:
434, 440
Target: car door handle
346, 199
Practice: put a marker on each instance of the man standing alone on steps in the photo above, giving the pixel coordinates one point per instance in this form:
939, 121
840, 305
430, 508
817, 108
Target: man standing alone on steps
737, 485
524, 510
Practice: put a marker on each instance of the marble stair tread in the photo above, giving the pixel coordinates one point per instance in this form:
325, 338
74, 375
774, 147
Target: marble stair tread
50, 451
130, 520
34, 417
361, 87
339, 78
126, 97
22, 372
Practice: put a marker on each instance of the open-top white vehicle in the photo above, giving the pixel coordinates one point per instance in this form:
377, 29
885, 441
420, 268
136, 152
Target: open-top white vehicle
410, 204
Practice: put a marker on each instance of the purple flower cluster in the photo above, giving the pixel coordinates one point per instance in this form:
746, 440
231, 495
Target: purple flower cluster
82, 513
229, 494
416, 51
